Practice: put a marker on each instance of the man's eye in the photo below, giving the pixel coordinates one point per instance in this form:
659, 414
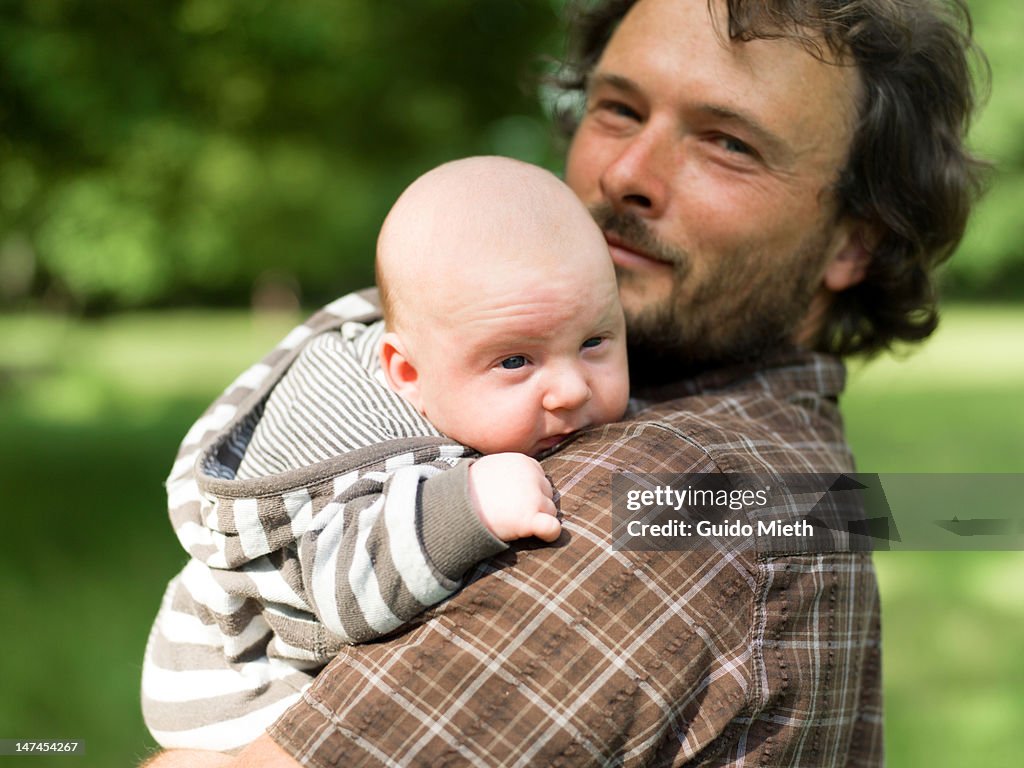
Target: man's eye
618, 109
511, 363
732, 144
592, 342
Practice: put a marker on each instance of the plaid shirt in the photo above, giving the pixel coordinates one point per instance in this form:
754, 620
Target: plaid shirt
577, 654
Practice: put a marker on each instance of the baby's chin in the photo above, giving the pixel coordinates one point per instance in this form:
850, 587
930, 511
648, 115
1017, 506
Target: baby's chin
536, 449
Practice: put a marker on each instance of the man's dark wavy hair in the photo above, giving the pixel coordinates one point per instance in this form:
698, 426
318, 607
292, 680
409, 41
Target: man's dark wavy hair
909, 172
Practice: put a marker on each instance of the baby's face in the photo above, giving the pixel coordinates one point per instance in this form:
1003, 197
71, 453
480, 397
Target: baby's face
524, 364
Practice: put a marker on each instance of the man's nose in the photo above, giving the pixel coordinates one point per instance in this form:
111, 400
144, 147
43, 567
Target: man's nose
637, 179
566, 390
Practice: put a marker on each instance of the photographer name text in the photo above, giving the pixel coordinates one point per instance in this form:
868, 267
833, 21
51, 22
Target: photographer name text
722, 530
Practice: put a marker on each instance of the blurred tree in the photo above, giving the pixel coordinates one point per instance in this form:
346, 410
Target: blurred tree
184, 151
990, 262
181, 151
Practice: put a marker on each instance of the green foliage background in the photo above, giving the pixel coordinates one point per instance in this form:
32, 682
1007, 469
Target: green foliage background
171, 151
990, 263
194, 151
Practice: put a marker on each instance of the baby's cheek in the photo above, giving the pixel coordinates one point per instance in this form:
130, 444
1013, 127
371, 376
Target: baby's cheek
616, 396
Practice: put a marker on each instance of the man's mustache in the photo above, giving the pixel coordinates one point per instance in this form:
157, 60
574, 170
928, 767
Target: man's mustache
634, 234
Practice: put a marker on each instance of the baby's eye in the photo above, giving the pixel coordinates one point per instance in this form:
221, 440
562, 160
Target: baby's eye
511, 363
592, 342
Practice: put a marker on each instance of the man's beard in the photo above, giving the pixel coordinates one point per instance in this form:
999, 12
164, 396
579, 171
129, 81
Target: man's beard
747, 307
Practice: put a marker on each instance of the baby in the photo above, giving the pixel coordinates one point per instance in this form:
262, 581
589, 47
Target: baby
508, 336
503, 333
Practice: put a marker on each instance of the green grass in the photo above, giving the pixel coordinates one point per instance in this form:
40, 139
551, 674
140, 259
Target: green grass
953, 622
92, 413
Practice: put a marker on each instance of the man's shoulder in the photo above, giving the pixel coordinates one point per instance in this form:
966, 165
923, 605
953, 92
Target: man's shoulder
710, 417
741, 429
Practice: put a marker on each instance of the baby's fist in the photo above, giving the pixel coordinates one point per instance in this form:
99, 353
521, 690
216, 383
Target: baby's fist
513, 497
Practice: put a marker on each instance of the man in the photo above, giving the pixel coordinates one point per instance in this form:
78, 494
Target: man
777, 182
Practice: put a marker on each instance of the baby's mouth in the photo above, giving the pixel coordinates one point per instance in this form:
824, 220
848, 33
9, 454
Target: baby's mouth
549, 443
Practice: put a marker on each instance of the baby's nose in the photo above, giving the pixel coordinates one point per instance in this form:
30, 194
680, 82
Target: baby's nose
567, 390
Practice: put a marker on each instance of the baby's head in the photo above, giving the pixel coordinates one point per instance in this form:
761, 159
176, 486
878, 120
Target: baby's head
504, 327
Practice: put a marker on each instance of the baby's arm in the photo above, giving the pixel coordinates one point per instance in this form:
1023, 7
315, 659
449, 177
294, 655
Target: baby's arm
400, 541
380, 552
372, 549
513, 497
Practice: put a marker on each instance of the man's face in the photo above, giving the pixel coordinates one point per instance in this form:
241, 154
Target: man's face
709, 166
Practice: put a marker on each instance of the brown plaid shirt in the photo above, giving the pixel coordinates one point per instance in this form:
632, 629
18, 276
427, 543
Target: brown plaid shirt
576, 654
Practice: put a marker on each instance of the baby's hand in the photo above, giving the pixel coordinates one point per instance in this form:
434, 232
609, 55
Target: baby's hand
513, 497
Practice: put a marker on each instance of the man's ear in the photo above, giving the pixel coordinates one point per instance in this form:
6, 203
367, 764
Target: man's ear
399, 371
855, 242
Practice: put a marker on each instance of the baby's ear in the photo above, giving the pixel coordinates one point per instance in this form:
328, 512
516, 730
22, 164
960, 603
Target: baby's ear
399, 371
